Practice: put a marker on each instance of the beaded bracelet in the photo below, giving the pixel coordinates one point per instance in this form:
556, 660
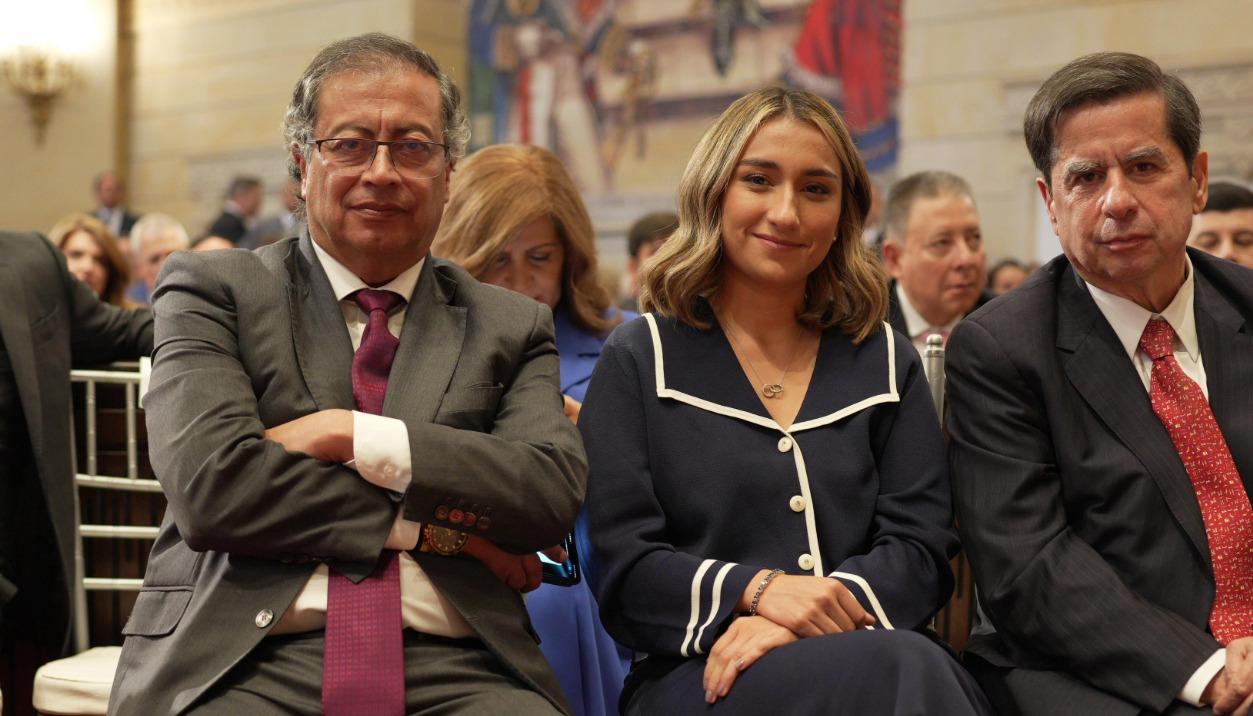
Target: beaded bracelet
765, 582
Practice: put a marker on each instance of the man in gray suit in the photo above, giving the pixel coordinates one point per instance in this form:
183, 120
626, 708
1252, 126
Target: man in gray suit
49, 322
1101, 418
285, 502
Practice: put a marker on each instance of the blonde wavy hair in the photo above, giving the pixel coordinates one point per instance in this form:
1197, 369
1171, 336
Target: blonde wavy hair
500, 189
847, 290
116, 265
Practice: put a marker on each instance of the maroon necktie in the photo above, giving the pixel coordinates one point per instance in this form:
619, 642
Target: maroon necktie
1184, 411
363, 669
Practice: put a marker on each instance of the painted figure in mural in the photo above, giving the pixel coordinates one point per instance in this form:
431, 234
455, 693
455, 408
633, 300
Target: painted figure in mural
634, 61
848, 51
729, 16
532, 78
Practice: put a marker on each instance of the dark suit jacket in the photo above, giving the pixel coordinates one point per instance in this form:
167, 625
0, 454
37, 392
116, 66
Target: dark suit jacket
896, 317
1082, 526
128, 221
249, 340
48, 323
228, 226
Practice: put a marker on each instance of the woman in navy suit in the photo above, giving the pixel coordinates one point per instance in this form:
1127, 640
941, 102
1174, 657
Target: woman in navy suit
515, 220
768, 500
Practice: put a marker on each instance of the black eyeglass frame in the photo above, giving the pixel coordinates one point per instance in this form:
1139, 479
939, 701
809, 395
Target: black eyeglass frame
375, 144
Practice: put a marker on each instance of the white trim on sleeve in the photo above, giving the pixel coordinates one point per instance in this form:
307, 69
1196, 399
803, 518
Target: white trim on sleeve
875, 606
691, 622
715, 602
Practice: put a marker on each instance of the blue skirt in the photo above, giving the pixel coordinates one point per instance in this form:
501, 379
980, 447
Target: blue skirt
589, 664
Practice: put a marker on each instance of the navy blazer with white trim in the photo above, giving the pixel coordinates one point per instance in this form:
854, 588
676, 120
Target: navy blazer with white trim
693, 488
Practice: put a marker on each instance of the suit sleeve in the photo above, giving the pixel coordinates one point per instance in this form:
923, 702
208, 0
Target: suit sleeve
904, 577
228, 488
529, 469
100, 332
1042, 585
652, 597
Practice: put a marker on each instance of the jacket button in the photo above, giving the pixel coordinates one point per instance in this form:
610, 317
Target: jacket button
806, 562
785, 444
441, 512
485, 523
455, 516
797, 503
264, 617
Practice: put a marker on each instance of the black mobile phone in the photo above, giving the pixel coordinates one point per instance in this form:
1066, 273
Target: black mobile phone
564, 574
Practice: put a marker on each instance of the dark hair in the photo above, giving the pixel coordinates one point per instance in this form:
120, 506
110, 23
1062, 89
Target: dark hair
921, 185
366, 53
1228, 196
650, 228
1002, 265
1100, 78
240, 184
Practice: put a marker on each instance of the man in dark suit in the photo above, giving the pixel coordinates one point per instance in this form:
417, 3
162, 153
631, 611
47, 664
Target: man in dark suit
109, 209
1102, 423
243, 201
48, 323
287, 575
933, 250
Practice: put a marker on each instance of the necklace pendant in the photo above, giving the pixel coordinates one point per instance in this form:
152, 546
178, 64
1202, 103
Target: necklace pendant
772, 390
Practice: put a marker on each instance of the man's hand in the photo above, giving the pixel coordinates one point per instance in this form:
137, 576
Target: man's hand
571, 408
746, 641
1231, 691
518, 571
325, 435
809, 606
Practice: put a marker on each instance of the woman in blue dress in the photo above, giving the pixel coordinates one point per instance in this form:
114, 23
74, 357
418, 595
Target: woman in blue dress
768, 496
515, 219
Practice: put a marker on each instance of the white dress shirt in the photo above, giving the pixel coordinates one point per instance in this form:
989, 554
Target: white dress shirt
1128, 320
381, 456
918, 326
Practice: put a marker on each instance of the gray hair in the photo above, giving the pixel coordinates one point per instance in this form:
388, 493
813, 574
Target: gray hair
366, 53
1100, 78
152, 227
922, 185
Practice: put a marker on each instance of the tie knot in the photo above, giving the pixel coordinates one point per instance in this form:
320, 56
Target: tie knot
1158, 339
371, 300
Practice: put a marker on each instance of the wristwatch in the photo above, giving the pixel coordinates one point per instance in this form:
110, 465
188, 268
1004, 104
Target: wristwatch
442, 540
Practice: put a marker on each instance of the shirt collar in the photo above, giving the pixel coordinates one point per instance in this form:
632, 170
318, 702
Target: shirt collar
914, 322
345, 282
1128, 318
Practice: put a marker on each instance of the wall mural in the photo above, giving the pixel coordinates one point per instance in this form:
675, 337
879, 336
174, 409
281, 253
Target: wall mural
621, 89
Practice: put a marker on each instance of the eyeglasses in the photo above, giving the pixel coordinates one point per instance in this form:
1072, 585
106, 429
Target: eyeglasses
412, 156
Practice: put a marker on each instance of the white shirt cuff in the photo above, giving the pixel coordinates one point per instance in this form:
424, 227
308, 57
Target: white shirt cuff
1195, 688
380, 447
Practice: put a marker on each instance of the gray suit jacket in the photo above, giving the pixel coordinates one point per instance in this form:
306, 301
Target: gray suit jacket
48, 323
1080, 521
250, 340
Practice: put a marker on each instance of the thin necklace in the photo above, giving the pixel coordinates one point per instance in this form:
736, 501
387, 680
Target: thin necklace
770, 390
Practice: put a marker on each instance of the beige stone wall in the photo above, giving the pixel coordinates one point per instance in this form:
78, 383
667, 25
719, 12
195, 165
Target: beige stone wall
41, 183
972, 65
213, 78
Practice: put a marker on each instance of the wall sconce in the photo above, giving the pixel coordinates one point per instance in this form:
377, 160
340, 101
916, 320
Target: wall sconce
40, 78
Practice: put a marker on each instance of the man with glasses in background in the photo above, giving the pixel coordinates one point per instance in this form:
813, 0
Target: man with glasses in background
346, 428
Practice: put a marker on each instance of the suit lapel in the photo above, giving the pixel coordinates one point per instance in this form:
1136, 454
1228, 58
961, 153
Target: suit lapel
1099, 370
319, 333
1226, 349
19, 344
430, 344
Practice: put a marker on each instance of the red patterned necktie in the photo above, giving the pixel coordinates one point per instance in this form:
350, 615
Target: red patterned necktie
1225, 509
363, 669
